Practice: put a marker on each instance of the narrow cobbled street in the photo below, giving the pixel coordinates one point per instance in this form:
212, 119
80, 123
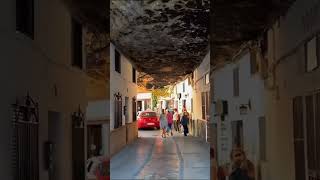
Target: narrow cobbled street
152, 157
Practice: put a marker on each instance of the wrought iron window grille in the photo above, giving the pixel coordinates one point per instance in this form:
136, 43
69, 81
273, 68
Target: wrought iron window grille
25, 143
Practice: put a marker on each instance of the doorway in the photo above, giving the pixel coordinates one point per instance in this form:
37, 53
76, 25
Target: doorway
237, 133
94, 145
126, 112
139, 105
56, 136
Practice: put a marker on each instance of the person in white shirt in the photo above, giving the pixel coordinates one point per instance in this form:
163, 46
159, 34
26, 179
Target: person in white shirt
176, 120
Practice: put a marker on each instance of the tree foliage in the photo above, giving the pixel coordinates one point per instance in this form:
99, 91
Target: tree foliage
158, 93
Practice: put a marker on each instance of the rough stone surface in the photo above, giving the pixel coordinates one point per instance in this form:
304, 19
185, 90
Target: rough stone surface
97, 54
165, 39
234, 22
91, 13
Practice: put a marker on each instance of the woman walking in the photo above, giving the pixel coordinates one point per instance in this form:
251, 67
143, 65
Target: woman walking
163, 123
185, 122
170, 121
176, 120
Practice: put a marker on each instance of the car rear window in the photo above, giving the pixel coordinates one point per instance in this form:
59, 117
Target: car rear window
149, 114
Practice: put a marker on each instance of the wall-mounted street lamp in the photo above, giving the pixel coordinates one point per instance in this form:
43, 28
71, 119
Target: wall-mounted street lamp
243, 108
78, 118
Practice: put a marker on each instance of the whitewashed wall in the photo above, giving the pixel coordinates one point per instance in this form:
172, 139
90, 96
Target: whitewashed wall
200, 86
36, 66
286, 46
251, 87
121, 83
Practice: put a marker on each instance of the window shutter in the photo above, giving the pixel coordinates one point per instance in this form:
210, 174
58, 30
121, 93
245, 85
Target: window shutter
298, 138
253, 62
203, 105
77, 44
25, 17
117, 58
236, 81
311, 139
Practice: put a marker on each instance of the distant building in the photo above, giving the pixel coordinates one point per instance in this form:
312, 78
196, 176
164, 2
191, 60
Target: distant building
144, 101
193, 94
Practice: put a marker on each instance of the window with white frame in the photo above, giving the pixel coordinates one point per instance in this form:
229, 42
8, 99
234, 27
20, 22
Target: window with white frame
206, 79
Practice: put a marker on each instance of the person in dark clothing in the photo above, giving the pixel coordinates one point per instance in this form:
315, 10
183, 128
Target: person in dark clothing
185, 122
242, 168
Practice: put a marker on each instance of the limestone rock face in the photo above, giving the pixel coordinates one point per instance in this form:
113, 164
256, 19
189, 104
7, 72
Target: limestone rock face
235, 22
165, 39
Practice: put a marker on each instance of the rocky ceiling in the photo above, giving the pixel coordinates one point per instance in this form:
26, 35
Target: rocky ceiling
94, 15
165, 39
235, 22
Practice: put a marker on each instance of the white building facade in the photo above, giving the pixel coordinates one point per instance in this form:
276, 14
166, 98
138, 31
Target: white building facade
39, 59
144, 101
123, 97
239, 110
193, 93
293, 94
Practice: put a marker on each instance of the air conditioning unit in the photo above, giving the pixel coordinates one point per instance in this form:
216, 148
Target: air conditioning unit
221, 107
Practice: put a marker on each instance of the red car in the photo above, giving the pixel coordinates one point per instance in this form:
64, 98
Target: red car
148, 119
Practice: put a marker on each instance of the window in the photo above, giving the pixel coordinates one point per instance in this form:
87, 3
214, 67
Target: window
203, 105
298, 133
237, 133
94, 138
134, 76
183, 87
77, 44
236, 81
25, 140
134, 109
253, 62
262, 138
313, 134
207, 103
25, 17
117, 61
191, 105
117, 111
206, 79
311, 55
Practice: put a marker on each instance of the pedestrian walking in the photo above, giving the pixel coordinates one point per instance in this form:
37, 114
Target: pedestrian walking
163, 123
170, 121
176, 120
185, 122
241, 168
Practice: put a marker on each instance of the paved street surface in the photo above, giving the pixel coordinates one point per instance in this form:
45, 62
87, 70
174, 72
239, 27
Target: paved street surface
152, 157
